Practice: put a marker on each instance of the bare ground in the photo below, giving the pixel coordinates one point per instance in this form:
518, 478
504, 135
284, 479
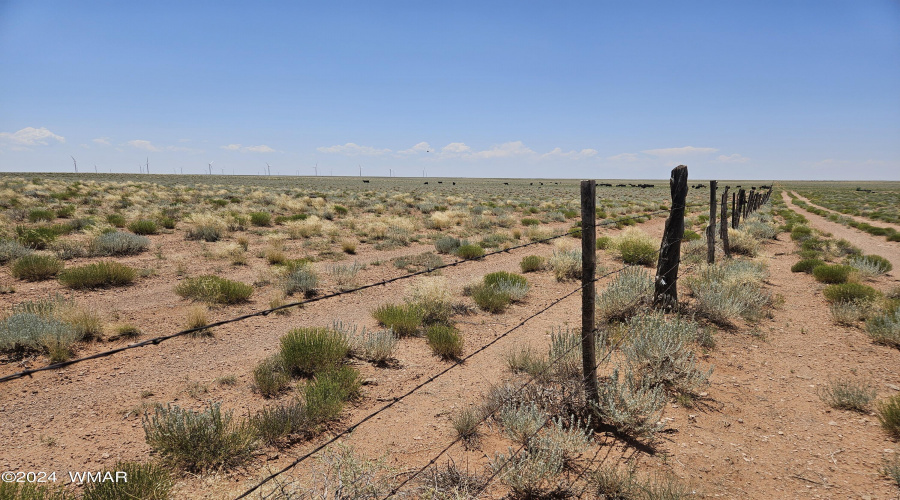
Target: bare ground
762, 431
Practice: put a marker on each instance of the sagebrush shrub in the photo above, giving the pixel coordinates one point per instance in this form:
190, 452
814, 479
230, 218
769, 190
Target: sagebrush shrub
884, 328
300, 278
566, 264
11, 250
199, 441
273, 423
658, 351
98, 275
491, 299
308, 351
447, 244
36, 267
630, 404
376, 346
215, 290
270, 376
869, 266
625, 295
118, 243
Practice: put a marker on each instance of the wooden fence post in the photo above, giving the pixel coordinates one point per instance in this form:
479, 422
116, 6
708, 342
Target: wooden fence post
666, 290
588, 290
711, 228
734, 210
723, 226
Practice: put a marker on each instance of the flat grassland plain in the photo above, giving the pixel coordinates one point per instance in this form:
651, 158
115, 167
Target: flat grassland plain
776, 378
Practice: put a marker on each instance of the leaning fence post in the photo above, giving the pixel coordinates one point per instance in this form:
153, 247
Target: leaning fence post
666, 291
734, 211
588, 290
723, 226
711, 228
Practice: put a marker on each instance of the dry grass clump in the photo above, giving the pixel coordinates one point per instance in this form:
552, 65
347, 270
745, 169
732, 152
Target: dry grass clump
742, 242
445, 341
146, 481
215, 290
404, 319
53, 326
199, 441
36, 267
206, 227
376, 346
433, 297
847, 394
565, 263
888, 413
98, 275
308, 351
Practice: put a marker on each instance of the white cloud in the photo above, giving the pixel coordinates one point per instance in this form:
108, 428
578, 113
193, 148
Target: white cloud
505, 150
262, 148
29, 136
734, 158
624, 157
149, 146
455, 148
142, 144
101, 140
421, 147
232, 147
353, 149
572, 155
686, 150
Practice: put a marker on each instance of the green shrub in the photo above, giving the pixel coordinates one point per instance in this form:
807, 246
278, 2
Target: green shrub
261, 218
270, 376
143, 226
404, 320
98, 275
119, 243
801, 233
143, 482
215, 290
529, 221
340, 210
167, 222
503, 278
469, 251
888, 413
325, 395
846, 394
604, 242
807, 265
36, 267
199, 441
634, 246
308, 351
116, 220
833, 273
33, 491
689, 235
39, 214
445, 341
37, 238
491, 299
531, 263
846, 292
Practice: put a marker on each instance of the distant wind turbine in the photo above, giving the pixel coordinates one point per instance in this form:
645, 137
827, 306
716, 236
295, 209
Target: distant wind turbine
210, 166
75, 163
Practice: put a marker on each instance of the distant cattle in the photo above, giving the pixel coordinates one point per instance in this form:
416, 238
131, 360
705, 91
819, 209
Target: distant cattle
440, 182
365, 181
426, 183
620, 185
506, 184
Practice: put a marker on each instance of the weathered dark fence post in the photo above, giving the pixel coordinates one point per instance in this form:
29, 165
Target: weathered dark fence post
588, 290
734, 210
666, 290
723, 226
711, 228
742, 205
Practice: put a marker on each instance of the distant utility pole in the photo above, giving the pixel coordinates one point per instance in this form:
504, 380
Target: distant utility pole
360, 170
95, 169
75, 163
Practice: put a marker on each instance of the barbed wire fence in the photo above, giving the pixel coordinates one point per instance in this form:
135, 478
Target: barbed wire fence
160, 339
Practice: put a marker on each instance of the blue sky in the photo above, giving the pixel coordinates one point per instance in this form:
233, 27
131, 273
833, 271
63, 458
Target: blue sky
756, 89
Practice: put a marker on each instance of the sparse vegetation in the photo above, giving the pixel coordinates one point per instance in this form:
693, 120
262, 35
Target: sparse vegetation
36, 267
98, 275
847, 394
214, 290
